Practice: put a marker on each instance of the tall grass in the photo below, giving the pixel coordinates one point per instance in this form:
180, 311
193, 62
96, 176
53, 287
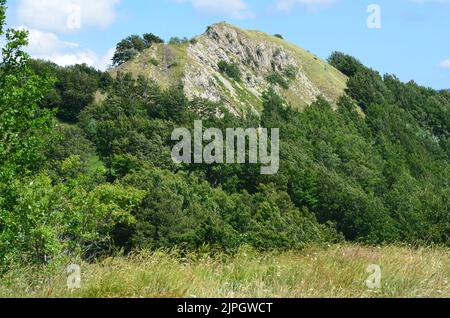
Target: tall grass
337, 271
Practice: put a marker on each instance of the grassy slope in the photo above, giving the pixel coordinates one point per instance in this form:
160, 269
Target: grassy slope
337, 271
171, 60
329, 80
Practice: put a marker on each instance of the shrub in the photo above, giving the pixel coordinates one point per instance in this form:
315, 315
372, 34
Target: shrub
290, 72
129, 48
176, 40
151, 39
230, 69
154, 61
283, 78
276, 78
182, 210
48, 221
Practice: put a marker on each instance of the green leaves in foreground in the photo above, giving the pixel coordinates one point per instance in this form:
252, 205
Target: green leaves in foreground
47, 221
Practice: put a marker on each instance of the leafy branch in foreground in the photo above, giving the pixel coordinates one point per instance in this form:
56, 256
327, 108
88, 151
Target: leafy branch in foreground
23, 123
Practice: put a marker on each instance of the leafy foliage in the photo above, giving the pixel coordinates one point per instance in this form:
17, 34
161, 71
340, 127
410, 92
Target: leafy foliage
374, 169
230, 69
284, 78
150, 39
131, 130
47, 221
177, 41
41, 218
275, 78
23, 124
75, 87
130, 47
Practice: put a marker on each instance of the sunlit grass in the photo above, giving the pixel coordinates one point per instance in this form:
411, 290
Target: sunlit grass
337, 271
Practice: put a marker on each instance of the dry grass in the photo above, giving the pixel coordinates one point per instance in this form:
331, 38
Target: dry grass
337, 271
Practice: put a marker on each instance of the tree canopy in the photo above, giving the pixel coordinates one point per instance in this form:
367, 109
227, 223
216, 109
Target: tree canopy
128, 48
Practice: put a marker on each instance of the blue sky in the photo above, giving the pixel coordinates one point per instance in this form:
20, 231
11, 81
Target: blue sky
413, 41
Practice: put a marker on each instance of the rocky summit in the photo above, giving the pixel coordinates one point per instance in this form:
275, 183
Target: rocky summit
257, 61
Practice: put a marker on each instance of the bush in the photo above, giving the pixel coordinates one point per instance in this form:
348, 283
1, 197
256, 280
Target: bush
284, 78
177, 41
48, 221
276, 78
151, 39
290, 72
182, 210
230, 69
154, 61
130, 47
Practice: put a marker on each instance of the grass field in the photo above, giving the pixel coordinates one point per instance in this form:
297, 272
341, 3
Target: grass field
337, 271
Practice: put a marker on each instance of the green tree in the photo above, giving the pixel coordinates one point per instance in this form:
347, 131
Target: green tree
23, 123
345, 63
74, 89
125, 51
151, 39
129, 48
75, 218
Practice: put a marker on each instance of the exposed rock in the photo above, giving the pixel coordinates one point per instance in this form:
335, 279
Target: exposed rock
257, 55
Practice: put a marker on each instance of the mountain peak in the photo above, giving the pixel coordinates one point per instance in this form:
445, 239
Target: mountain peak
236, 66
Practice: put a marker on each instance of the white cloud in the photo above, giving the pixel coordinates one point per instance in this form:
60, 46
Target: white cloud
81, 57
231, 8
309, 5
66, 15
43, 42
105, 61
445, 64
48, 46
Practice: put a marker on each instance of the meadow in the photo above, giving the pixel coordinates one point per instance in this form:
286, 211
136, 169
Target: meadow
332, 271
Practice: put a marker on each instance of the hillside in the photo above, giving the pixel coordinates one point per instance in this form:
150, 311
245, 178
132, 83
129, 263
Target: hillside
263, 60
94, 201
103, 187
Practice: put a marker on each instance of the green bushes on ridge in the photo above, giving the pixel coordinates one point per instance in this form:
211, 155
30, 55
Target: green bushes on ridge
130, 47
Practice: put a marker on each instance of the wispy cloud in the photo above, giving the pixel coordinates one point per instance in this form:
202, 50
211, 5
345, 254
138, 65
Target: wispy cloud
57, 15
445, 64
237, 9
48, 46
309, 5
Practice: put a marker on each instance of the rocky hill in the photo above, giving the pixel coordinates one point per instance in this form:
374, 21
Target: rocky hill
257, 61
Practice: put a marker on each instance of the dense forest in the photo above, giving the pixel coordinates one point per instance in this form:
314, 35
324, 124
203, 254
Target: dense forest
86, 168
